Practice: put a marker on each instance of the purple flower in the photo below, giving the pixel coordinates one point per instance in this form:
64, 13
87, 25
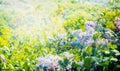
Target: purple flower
89, 27
49, 61
79, 34
117, 23
102, 41
84, 38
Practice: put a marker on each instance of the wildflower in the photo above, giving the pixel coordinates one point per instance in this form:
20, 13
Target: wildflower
102, 41
53, 64
83, 37
117, 23
89, 42
89, 27
48, 61
78, 33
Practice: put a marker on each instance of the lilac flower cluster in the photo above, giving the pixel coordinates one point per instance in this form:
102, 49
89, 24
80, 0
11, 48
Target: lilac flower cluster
68, 55
49, 61
86, 37
117, 23
102, 41
90, 27
83, 38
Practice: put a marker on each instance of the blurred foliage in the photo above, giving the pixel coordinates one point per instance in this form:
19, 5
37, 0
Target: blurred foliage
19, 49
5, 30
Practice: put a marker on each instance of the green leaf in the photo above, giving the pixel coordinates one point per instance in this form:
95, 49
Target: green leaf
66, 62
112, 46
87, 61
89, 49
95, 59
2, 58
114, 59
0, 33
96, 36
76, 65
118, 66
